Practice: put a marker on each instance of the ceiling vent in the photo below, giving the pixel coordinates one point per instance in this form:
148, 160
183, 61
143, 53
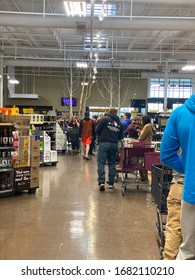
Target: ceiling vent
81, 26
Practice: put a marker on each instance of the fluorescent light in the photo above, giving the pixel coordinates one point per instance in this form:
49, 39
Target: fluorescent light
75, 8
95, 70
81, 65
13, 81
85, 83
188, 68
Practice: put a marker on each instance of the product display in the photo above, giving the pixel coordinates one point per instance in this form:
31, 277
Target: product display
6, 149
17, 152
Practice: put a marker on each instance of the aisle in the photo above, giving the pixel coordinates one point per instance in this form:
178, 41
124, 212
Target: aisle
68, 218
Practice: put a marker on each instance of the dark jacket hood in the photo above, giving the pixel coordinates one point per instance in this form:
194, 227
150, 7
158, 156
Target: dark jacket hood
114, 117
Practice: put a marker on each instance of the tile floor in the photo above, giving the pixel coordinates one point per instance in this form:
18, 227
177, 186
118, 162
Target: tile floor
68, 218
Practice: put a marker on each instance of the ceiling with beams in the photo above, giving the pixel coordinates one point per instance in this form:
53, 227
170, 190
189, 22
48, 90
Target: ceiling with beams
126, 34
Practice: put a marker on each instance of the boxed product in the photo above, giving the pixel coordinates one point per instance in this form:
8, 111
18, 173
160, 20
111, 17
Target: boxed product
34, 146
34, 177
34, 161
47, 144
46, 156
53, 156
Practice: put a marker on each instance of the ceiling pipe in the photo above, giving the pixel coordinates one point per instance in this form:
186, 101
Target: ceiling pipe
91, 31
109, 23
170, 2
178, 2
105, 64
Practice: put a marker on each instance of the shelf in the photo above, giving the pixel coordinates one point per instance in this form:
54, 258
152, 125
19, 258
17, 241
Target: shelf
47, 130
6, 191
7, 148
8, 169
6, 124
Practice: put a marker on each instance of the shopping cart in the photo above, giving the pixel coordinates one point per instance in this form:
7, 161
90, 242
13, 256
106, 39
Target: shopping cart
132, 160
118, 156
160, 186
151, 158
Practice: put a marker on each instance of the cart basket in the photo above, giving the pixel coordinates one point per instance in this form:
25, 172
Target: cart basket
160, 185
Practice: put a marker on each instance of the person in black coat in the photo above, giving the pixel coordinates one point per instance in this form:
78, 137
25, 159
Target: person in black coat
109, 131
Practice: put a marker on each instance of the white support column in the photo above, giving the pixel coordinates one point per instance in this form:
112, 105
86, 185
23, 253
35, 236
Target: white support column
165, 85
1, 82
193, 85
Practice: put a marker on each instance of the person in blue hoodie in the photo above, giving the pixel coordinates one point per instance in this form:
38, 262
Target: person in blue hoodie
180, 133
127, 121
109, 131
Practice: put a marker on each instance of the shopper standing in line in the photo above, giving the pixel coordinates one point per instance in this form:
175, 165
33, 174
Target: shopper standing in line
109, 130
180, 132
86, 133
73, 132
146, 134
126, 121
92, 146
173, 226
133, 129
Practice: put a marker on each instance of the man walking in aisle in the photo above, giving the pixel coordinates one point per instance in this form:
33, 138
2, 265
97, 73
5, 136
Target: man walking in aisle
109, 130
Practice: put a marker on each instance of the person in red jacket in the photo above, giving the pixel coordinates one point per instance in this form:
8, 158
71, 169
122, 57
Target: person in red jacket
86, 133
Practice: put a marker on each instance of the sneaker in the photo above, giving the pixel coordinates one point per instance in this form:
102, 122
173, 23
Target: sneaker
111, 186
102, 187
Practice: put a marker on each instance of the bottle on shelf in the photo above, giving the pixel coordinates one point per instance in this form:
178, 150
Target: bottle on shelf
9, 184
5, 137
1, 137
2, 186
10, 138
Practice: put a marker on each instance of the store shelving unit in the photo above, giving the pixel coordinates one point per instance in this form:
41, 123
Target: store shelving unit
6, 169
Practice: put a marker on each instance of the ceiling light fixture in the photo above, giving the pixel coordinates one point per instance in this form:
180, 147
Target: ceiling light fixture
84, 83
13, 81
75, 8
81, 65
101, 17
95, 70
188, 68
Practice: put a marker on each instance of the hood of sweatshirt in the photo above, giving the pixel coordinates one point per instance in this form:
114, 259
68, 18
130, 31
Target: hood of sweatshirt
190, 103
114, 117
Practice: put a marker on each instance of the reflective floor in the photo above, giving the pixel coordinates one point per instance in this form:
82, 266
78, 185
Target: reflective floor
68, 218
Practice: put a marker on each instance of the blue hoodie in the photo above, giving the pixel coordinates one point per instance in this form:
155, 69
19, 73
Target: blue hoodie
180, 132
126, 123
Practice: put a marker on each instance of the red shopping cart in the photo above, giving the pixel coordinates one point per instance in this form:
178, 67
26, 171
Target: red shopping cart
132, 160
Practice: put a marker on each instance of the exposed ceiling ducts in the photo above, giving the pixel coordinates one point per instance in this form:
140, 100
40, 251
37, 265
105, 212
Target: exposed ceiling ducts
132, 34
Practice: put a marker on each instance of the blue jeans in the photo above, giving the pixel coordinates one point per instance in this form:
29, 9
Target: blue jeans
107, 151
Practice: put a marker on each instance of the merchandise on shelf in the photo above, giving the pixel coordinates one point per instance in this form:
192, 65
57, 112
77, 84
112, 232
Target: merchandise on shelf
6, 149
